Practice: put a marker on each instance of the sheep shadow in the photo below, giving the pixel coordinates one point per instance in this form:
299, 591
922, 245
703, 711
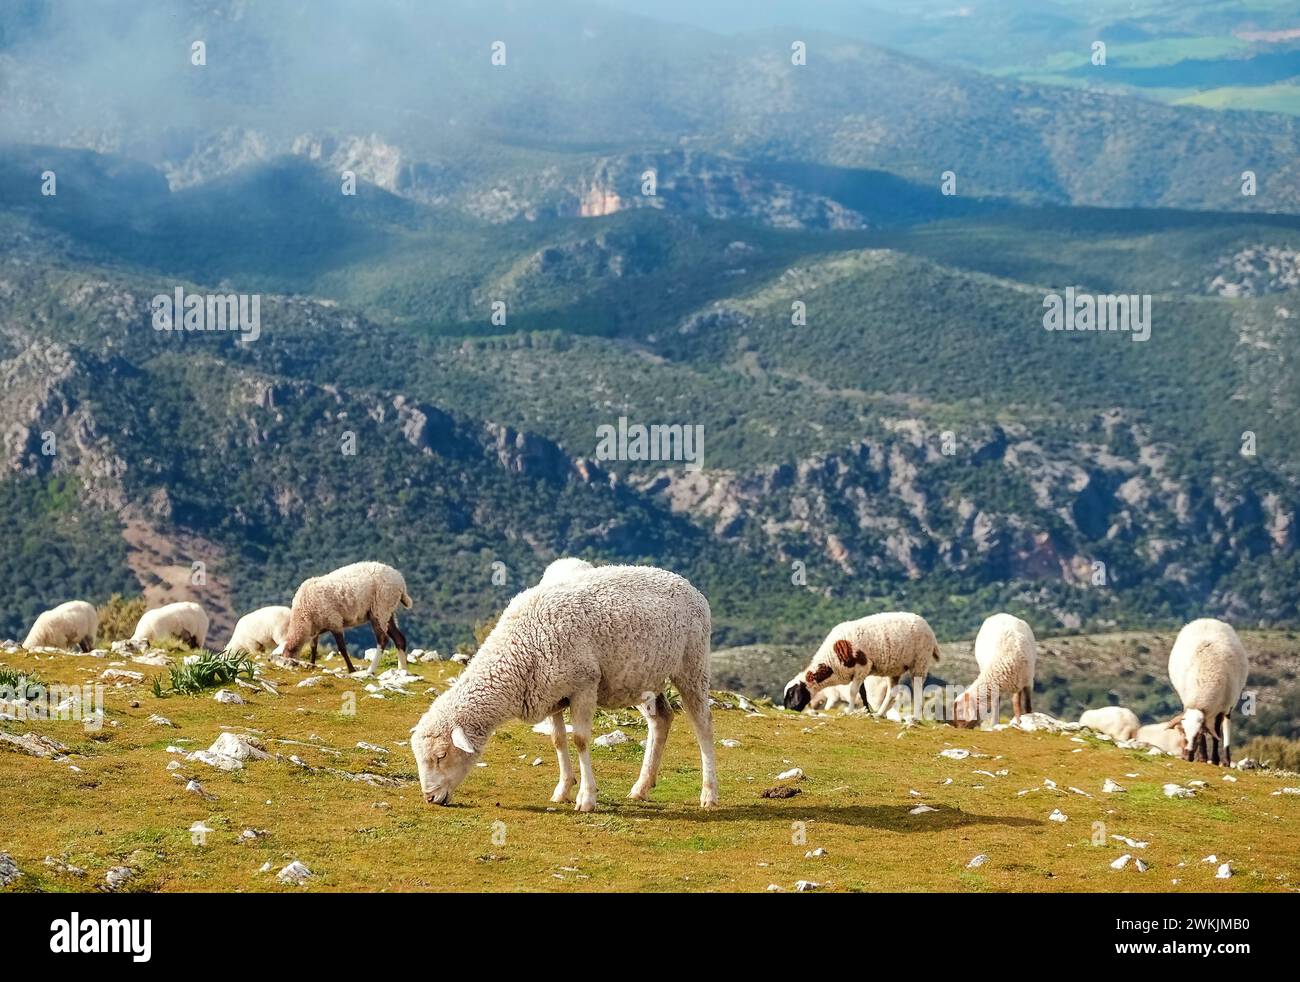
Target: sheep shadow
894, 818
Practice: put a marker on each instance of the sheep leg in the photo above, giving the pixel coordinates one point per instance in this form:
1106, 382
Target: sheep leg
695, 700
1218, 739
582, 707
399, 639
314, 642
1227, 742
343, 650
889, 699
1026, 699
86, 644
563, 790
381, 643
1015, 706
658, 716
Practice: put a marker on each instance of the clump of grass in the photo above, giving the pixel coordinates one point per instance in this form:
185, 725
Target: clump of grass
209, 670
15, 680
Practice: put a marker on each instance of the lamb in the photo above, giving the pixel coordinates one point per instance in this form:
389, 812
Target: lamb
260, 630
563, 569
887, 645
1167, 736
1005, 651
1116, 722
1208, 668
360, 593
74, 622
185, 621
611, 637
872, 692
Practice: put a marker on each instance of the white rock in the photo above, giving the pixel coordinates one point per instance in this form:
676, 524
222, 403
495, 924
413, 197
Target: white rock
793, 774
295, 874
1121, 862
9, 871
157, 720
804, 886
238, 747
815, 854
229, 698
1141, 866
921, 810
1281, 791
219, 761
373, 748
977, 861
1211, 858
1131, 843
314, 680
730, 743
1225, 871
1058, 816
117, 876
1110, 787
954, 753
1233, 780
537, 762
1178, 791
775, 888
611, 739
121, 675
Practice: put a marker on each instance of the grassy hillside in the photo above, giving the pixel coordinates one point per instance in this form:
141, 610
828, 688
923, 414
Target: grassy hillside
114, 802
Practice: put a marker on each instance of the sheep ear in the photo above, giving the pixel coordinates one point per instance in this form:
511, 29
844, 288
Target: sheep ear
461, 742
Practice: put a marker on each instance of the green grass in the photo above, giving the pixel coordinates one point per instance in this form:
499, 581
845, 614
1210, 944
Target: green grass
125, 807
209, 670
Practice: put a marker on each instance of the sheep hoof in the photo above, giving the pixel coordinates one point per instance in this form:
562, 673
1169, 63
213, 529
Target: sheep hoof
562, 794
638, 793
586, 803
708, 799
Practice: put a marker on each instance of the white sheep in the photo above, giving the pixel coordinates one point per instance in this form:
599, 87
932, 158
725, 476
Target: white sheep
361, 593
887, 645
1116, 722
1167, 736
1208, 668
565, 568
612, 637
1006, 653
68, 624
185, 621
873, 692
260, 630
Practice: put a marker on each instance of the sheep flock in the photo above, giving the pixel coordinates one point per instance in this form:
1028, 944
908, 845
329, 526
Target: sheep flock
613, 637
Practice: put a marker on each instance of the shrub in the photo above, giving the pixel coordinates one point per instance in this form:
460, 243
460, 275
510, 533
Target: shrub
118, 616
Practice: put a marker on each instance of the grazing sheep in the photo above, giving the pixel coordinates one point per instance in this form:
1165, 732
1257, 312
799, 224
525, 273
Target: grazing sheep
887, 645
1005, 651
564, 569
1167, 736
1116, 722
185, 621
261, 630
612, 637
872, 692
349, 597
74, 622
1208, 668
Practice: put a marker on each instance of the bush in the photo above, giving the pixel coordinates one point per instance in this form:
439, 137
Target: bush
1277, 753
118, 616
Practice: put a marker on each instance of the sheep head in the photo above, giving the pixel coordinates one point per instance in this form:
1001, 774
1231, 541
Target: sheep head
1192, 724
444, 754
800, 689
